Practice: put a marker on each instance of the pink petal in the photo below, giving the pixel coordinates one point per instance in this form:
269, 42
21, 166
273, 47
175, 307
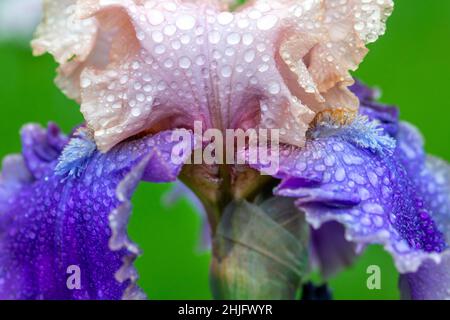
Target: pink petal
147, 66
69, 39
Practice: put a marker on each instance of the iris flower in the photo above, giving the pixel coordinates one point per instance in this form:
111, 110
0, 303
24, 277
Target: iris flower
350, 174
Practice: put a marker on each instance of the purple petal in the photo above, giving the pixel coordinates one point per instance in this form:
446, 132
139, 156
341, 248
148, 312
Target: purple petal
363, 92
373, 195
432, 280
387, 116
372, 178
51, 222
41, 148
330, 250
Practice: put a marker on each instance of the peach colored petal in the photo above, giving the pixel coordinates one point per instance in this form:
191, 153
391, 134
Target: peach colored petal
69, 39
153, 65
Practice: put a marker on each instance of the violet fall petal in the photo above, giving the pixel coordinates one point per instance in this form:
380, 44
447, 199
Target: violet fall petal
432, 280
57, 222
383, 192
373, 195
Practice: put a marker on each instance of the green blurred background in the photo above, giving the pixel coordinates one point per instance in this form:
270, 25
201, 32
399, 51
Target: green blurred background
411, 64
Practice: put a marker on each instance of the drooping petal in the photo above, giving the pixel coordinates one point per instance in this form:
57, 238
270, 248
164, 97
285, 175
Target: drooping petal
372, 194
55, 220
432, 280
162, 64
386, 116
330, 250
375, 181
41, 148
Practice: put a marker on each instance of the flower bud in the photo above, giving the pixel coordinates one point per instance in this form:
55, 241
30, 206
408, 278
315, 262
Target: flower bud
260, 251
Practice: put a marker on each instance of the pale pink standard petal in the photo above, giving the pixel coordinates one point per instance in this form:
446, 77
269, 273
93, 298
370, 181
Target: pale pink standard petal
69, 39
165, 64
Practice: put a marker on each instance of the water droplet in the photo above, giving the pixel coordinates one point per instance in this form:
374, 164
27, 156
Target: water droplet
214, 37
169, 30
185, 39
176, 44
85, 83
230, 52
136, 112
267, 22
157, 36
249, 55
263, 68
359, 26
123, 79
135, 65
160, 49
168, 63
247, 39
234, 38
225, 18
226, 71
140, 97
274, 87
184, 62
200, 60
155, 17
185, 22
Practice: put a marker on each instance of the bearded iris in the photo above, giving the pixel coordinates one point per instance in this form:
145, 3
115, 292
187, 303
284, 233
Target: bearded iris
350, 174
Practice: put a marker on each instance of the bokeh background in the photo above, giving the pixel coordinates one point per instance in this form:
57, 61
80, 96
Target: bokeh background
410, 64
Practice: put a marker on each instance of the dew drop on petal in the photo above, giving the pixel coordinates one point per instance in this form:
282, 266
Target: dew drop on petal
136, 112
266, 22
184, 62
110, 98
169, 30
185, 22
225, 18
234, 38
140, 97
160, 49
247, 39
135, 65
263, 68
155, 17
274, 87
214, 37
85, 83
249, 55
168, 63
226, 71
157, 36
